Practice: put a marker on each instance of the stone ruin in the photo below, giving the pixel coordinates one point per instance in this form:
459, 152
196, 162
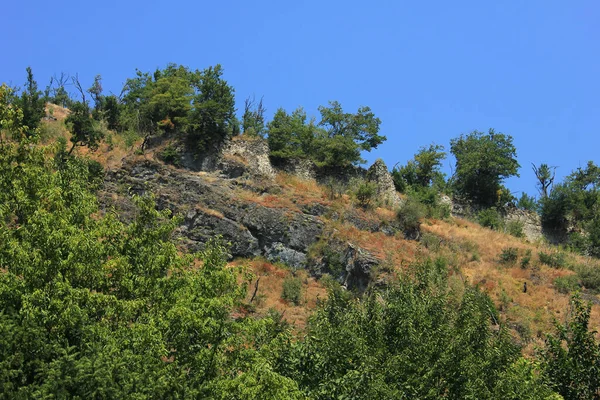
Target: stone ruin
386, 191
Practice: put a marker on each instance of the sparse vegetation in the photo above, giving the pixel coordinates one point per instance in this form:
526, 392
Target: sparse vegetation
554, 260
292, 290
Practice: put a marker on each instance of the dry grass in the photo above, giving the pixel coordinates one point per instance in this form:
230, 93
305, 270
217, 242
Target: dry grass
540, 305
270, 288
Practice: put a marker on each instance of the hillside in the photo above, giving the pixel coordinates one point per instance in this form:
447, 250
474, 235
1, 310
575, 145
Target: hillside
290, 218
283, 216
231, 269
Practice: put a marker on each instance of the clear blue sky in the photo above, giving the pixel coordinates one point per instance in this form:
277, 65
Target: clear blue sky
430, 70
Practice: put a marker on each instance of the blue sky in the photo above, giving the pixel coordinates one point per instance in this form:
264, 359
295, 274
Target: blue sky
430, 70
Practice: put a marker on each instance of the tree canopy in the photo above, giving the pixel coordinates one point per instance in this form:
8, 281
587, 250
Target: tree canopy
483, 162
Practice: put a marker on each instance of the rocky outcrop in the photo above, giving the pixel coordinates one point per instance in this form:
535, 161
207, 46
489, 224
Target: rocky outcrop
350, 265
386, 191
210, 207
246, 155
304, 169
530, 220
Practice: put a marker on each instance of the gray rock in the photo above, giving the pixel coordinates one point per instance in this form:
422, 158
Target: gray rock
278, 252
386, 191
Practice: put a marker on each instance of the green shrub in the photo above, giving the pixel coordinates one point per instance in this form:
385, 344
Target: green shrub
365, 193
130, 137
566, 284
292, 290
169, 155
554, 260
526, 259
431, 242
409, 216
515, 228
589, 276
334, 188
490, 218
509, 255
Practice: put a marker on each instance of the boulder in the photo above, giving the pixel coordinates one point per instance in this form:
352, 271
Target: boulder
386, 191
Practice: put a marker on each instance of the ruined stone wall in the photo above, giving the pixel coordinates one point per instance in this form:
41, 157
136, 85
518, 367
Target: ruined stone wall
386, 191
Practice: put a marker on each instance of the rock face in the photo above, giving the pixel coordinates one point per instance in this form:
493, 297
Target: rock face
246, 155
304, 169
386, 191
347, 263
531, 221
210, 207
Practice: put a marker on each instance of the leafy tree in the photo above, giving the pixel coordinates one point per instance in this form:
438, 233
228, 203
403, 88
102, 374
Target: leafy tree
253, 120
576, 202
84, 131
213, 109
11, 115
417, 339
32, 104
571, 359
545, 176
527, 202
483, 161
423, 171
290, 135
96, 92
92, 307
346, 135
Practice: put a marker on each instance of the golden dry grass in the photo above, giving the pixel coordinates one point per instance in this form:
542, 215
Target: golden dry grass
270, 288
540, 305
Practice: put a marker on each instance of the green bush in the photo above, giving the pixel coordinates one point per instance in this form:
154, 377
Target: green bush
490, 218
515, 228
292, 290
509, 255
169, 155
409, 216
365, 193
554, 260
589, 276
526, 259
566, 284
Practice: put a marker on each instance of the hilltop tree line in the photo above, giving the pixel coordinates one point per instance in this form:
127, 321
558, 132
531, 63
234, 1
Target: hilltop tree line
91, 307
199, 107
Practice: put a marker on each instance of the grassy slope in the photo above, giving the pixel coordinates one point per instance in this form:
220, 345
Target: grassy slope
472, 251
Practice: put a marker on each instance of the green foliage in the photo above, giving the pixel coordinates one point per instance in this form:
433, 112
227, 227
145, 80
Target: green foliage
509, 255
490, 218
290, 135
515, 228
32, 104
526, 202
11, 115
526, 259
483, 161
213, 108
422, 171
415, 340
409, 216
337, 141
253, 120
84, 131
575, 204
292, 290
554, 260
198, 103
566, 284
169, 155
589, 276
365, 192
95, 308
571, 358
